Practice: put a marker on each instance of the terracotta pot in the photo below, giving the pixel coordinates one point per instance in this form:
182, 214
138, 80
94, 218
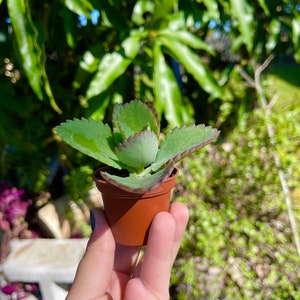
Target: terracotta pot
130, 214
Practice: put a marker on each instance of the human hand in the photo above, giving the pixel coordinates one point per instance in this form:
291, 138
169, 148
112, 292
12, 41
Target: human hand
108, 271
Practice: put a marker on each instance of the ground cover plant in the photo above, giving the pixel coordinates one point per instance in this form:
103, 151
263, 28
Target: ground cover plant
239, 243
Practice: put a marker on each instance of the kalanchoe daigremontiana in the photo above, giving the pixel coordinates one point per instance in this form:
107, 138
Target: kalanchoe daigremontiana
134, 144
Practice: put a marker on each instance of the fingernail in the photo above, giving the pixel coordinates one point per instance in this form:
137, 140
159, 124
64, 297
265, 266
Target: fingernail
92, 220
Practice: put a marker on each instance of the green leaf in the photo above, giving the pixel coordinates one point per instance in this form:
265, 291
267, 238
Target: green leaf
137, 116
70, 27
274, 28
111, 15
213, 9
244, 14
188, 39
26, 35
182, 141
166, 89
91, 138
140, 8
97, 108
296, 36
136, 184
264, 6
139, 150
88, 64
192, 63
32, 54
79, 7
162, 9
114, 65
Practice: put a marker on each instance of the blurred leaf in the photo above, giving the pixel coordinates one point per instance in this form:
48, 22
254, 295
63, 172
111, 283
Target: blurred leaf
32, 55
97, 107
140, 9
188, 39
70, 27
192, 63
162, 9
275, 27
264, 6
113, 65
296, 36
79, 7
110, 13
26, 34
174, 22
166, 89
213, 9
243, 12
88, 64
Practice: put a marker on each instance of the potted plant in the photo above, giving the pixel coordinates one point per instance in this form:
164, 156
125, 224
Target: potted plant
139, 171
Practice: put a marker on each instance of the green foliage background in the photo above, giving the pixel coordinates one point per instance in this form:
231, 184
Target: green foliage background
184, 57
178, 54
239, 243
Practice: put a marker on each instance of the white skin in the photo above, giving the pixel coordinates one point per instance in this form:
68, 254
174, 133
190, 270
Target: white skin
108, 271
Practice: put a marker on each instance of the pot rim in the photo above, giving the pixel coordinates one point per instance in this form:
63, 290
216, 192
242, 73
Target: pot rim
104, 186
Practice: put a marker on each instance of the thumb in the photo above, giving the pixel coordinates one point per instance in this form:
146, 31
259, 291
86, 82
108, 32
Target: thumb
94, 270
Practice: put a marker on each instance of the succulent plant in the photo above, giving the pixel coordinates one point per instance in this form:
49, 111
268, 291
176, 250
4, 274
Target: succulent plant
134, 145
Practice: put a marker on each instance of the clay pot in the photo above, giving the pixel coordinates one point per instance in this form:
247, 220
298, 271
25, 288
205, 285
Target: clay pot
130, 214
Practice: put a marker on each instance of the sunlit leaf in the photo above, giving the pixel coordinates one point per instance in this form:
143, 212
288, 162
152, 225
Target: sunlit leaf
32, 54
88, 64
166, 89
264, 6
140, 9
188, 39
91, 138
243, 12
114, 65
274, 27
193, 64
296, 36
79, 7
213, 9
182, 141
162, 9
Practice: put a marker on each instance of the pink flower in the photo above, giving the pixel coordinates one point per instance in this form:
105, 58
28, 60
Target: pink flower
13, 204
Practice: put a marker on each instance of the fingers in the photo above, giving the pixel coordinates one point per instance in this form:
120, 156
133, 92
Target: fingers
180, 214
125, 258
163, 243
94, 271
